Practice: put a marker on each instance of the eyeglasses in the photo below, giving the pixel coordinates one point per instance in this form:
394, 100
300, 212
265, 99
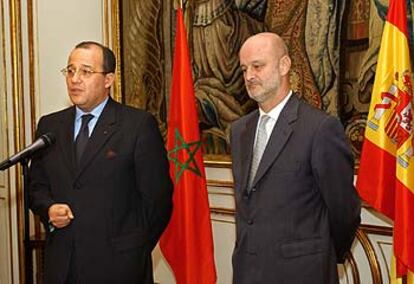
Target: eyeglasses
83, 72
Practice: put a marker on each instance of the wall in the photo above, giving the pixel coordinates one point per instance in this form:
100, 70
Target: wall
5, 245
60, 25
371, 251
367, 264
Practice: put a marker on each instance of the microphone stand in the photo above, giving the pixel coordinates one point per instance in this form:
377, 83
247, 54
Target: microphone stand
28, 266
23, 158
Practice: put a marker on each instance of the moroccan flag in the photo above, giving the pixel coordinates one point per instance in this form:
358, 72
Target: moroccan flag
386, 173
187, 243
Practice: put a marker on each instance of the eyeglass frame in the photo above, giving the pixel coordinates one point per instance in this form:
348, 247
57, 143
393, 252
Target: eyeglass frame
82, 71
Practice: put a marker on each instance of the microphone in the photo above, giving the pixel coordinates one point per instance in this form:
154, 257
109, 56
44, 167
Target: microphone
42, 142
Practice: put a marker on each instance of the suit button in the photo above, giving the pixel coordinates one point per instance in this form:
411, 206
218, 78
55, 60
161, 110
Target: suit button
253, 189
250, 222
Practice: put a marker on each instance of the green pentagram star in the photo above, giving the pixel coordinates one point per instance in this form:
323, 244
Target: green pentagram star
191, 148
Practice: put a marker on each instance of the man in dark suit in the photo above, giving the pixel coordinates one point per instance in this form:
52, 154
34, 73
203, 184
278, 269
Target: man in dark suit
296, 208
103, 189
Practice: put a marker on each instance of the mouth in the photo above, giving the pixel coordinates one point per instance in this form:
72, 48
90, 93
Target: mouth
251, 86
75, 91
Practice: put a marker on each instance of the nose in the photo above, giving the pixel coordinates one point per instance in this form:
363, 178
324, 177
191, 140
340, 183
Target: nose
76, 77
248, 74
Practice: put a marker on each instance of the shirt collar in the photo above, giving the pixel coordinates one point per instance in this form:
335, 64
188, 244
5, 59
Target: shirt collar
96, 112
275, 112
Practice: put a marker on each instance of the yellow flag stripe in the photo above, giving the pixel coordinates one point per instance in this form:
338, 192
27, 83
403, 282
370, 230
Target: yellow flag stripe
384, 118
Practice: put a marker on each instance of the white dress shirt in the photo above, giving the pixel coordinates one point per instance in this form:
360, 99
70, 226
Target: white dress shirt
274, 115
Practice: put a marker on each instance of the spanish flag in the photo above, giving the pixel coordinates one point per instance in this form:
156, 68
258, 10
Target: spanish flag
386, 172
187, 243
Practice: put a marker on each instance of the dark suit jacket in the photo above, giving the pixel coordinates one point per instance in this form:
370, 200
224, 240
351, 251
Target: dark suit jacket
302, 213
120, 195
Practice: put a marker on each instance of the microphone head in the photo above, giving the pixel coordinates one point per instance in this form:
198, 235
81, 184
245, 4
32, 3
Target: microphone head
48, 138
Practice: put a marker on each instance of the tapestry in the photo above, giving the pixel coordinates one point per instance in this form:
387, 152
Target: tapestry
333, 45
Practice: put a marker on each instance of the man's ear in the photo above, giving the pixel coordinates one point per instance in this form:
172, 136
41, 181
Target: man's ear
284, 65
109, 80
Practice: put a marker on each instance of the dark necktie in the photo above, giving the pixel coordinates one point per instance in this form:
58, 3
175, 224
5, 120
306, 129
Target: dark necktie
83, 136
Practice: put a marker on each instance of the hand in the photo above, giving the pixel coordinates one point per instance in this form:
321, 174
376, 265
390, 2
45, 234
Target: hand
60, 215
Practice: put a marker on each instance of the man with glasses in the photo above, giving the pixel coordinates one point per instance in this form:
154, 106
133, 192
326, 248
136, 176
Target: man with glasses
103, 190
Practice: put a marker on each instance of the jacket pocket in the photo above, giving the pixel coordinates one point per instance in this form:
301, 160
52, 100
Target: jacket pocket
298, 248
129, 241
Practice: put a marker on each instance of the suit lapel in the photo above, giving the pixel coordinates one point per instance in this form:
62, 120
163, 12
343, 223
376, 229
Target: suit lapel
279, 137
104, 129
246, 147
65, 138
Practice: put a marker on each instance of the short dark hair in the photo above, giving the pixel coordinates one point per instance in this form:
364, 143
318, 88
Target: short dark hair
109, 61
